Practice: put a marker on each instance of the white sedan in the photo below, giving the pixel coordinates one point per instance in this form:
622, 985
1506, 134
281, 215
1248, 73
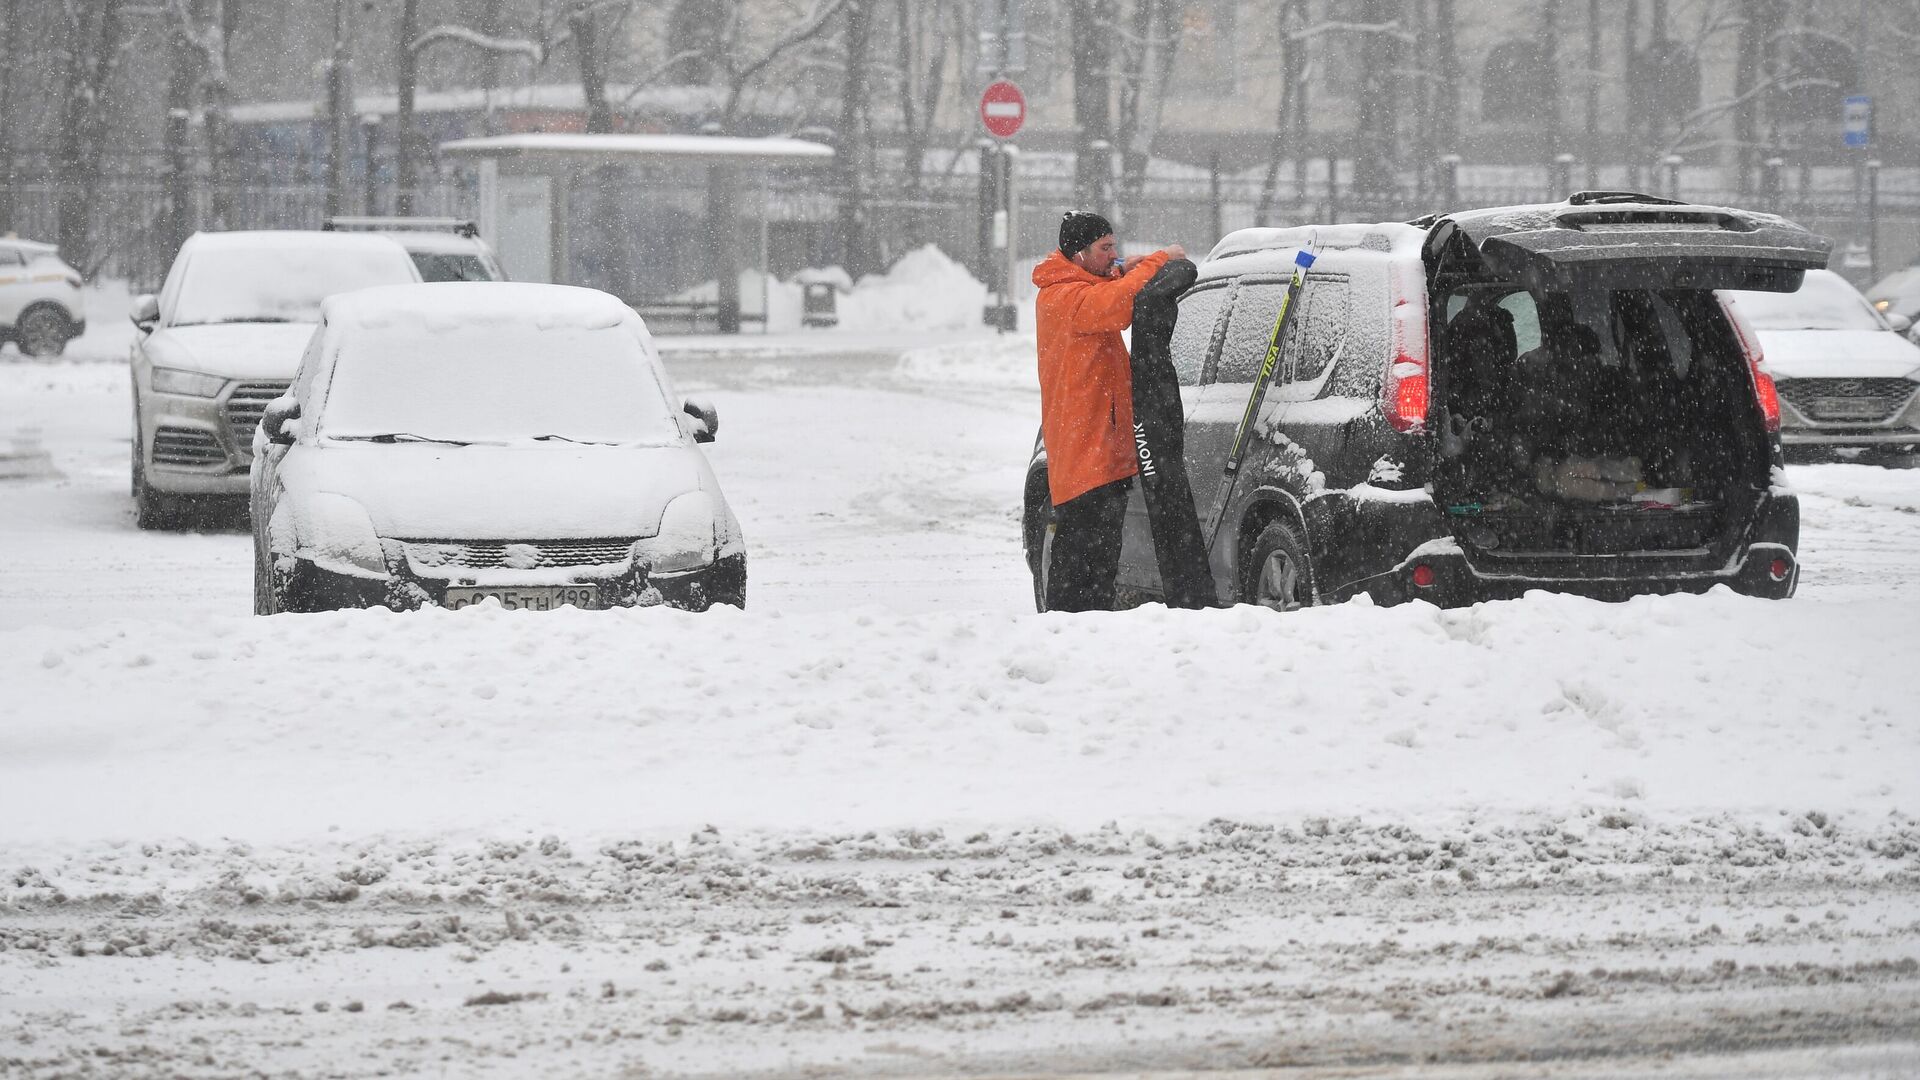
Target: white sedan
1846, 375
457, 444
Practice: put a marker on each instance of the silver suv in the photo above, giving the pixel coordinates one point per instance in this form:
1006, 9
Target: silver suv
220, 341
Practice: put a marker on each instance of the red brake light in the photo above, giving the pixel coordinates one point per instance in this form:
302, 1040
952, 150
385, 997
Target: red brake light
1423, 576
1764, 392
1406, 390
1779, 569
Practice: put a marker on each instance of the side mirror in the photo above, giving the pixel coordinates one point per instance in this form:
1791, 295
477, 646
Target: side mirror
281, 421
146, 312
702, 410
1900, 323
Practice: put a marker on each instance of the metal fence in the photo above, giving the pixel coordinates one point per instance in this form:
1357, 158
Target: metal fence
132, 235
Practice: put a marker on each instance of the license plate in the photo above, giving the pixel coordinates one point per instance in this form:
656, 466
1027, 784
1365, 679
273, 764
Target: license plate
1848, 408
525, 597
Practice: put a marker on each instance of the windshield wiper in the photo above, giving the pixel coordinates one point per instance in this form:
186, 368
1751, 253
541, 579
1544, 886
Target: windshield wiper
400, 437
571, 439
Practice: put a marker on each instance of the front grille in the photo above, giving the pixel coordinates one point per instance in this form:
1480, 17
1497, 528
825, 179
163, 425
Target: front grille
516, 554
246, 405
186, 446
1866, 401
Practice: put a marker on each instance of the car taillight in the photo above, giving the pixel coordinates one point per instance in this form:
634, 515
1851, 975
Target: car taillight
1406, 390
1764, 392
1423, 576
1779, 569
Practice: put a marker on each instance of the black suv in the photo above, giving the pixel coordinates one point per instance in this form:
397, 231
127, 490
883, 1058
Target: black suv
1477, 404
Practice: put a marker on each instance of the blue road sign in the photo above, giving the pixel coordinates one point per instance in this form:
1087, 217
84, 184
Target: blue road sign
1857, 121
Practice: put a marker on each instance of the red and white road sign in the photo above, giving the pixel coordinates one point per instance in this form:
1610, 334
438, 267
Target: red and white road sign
1003, 108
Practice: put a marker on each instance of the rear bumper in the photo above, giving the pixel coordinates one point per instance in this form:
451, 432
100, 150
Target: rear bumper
1764, 564
1456, 583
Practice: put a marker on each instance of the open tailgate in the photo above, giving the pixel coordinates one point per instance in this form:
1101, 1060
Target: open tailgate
1647, 245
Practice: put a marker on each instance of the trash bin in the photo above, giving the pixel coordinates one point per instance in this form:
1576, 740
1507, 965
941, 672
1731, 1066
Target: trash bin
817, 304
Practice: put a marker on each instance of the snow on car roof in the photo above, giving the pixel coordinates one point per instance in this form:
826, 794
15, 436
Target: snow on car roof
1271, 250
280, 239
437, 243
30, 247
444, 305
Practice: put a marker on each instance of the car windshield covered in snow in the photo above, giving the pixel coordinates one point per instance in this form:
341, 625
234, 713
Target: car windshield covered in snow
496, 381
282, 282
1825, 302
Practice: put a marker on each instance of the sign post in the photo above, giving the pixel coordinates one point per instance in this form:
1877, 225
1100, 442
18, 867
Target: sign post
1003, 110
1856, 130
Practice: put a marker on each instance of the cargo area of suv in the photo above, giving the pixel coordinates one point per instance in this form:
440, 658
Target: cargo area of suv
1592, 422
1597, 407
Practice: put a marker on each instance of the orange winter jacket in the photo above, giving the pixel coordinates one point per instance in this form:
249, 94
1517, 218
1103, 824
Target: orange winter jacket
1086, 385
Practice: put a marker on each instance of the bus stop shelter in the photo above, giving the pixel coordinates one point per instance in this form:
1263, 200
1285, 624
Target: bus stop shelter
646, 217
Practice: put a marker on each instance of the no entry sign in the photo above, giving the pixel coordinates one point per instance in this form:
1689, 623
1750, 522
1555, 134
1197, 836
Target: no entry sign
1003, 108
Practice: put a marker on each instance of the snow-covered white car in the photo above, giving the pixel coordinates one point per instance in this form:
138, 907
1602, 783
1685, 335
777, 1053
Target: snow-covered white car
221, 340
454, 444
41, 308
1846, 376
443, 249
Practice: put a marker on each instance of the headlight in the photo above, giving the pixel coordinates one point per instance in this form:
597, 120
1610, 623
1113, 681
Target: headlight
188, 383
686, 538
336, 534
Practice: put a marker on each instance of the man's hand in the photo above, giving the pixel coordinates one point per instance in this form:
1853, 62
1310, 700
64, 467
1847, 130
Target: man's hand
1175, 251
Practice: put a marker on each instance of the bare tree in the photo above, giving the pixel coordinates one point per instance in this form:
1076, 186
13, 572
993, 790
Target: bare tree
1292, 49
1149, 44
927, 33
1090, 29
855, 136
94, 37
9, 44
206, 28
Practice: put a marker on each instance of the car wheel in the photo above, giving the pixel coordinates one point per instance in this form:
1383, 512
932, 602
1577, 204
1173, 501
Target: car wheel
43, 331
153, 509
1277, 572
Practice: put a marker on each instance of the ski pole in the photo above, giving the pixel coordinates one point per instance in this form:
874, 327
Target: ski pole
1302, 261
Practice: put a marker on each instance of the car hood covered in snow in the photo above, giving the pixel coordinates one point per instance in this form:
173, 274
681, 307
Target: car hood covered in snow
234, 350
1839, 354
430, 491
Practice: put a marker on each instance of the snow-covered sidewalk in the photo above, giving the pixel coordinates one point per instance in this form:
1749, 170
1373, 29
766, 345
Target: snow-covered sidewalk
657, 723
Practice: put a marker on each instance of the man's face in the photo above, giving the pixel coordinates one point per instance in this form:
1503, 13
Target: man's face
1099, 259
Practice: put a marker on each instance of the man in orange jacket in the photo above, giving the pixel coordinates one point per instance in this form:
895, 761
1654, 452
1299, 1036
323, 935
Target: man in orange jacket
1086, 405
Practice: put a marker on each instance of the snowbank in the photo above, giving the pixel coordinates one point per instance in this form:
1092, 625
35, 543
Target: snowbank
656, 722
924, 290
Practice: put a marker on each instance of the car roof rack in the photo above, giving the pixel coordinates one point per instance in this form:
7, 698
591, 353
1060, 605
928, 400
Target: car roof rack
459, 226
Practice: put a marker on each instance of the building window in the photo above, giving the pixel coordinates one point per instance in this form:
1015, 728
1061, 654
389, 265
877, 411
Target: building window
1516, 84
1207, 64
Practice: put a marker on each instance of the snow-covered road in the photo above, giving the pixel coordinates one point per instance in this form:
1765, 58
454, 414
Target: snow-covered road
888, 822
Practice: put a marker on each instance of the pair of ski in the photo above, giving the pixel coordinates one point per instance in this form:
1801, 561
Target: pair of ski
1237, 453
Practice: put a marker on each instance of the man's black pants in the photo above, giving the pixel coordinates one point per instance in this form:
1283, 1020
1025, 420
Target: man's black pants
1083, 549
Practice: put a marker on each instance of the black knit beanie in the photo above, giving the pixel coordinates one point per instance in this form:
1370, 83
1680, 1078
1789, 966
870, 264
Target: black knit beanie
1079, 229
